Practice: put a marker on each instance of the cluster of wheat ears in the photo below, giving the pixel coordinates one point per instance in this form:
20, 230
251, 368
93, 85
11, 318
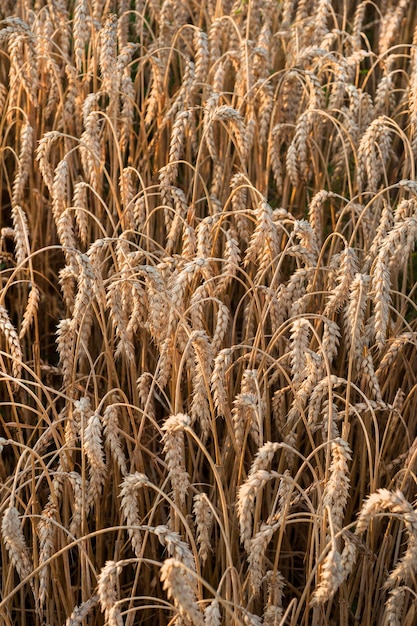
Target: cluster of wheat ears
208, 313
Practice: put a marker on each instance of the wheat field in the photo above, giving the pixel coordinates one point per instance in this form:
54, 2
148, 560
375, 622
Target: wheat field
208, 313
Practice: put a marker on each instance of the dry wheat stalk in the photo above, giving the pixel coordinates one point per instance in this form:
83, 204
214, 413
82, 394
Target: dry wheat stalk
369, 377
245, 502
385, 224
349, 554
43, 157
222, 324
198, 304
78, 508
231, 261
158, 301
21, 44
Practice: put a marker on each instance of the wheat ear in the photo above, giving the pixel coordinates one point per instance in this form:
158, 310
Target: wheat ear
12, 339
394, 502
178, 587
15, 542
174, 451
